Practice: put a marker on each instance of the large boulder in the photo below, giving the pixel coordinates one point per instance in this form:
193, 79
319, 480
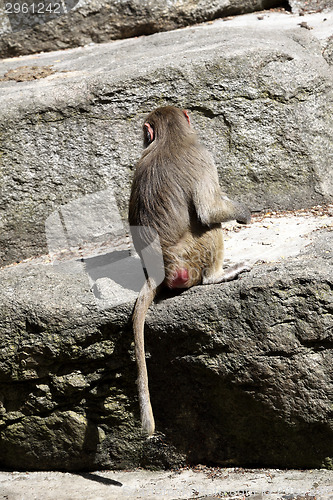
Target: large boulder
70, 124
74, 23
240, 373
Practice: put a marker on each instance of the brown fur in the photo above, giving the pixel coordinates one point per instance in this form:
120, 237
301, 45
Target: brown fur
176, 193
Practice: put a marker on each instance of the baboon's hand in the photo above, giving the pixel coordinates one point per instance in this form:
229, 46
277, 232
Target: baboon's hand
243, 214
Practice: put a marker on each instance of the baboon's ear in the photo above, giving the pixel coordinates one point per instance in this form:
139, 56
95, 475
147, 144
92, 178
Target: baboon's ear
186, 116
148, 132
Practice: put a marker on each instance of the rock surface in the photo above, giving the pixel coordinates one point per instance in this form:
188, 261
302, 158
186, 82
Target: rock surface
302, 6
198, 483
259, 96
239, 373
96, 21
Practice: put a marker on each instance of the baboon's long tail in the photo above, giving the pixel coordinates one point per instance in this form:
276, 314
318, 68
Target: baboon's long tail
145, 298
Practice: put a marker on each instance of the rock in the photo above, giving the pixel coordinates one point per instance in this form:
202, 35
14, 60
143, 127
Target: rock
302, 6
97, 21
260, 98
67, 376
200, 482
328, 51
240, 373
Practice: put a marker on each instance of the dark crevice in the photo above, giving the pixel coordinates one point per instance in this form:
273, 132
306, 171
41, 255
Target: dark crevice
285, 5
279, 354
32, 327
284, 322
317, 345
208, 113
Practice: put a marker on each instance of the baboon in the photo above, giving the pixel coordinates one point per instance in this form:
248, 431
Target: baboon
176, 195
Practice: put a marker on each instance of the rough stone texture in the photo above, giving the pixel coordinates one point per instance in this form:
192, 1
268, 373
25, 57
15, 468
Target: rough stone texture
199, 482
240, 374
97, 21
260, 98
67, 377
302, 6
328, 51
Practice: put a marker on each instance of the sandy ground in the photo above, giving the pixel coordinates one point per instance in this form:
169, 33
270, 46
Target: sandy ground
200, 482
